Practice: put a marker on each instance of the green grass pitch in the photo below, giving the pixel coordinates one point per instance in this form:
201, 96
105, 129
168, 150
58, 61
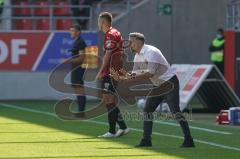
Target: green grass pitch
29, 130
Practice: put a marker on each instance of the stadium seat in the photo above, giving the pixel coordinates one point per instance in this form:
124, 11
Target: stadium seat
24, 24
42, 24
43, 8
63, 24
62, 9
23, 10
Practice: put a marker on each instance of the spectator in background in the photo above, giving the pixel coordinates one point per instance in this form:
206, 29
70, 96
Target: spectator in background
217, 50
81, 12
1, 8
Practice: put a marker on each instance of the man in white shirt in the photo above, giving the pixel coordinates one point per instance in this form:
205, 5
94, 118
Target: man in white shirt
149, 63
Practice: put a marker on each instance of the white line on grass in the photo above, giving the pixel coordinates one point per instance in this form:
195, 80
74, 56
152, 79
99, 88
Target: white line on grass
134, 129
194, 127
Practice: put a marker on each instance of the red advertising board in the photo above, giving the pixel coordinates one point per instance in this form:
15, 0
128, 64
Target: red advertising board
19, 51
34, 51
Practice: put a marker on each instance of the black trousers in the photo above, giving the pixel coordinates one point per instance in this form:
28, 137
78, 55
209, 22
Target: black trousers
77, 78
172, 98
220, 66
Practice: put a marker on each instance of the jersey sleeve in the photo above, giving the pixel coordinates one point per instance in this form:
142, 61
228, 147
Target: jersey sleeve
109, 43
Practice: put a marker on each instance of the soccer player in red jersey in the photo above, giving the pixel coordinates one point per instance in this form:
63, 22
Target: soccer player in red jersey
112, 58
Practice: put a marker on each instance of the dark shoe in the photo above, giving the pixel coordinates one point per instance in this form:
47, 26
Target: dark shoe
188, 143
145, 143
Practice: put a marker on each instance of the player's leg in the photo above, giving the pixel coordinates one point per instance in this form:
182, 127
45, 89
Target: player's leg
114, 115
112, 112
109, 101
150, 106
77, 78
123, 130
81, 98
173, 102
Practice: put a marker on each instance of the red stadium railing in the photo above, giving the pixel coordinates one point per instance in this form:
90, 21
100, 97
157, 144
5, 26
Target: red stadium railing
46, 16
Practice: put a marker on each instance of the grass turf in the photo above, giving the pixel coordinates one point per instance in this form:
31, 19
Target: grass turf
26, 134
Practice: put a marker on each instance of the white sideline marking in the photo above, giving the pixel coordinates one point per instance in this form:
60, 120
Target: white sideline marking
134, 129
196, 128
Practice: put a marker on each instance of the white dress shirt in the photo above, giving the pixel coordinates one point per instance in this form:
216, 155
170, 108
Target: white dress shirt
150, 59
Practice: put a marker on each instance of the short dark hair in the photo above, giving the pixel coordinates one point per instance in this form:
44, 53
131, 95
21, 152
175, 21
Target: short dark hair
220, 30
138, 36
76, 27
107, 16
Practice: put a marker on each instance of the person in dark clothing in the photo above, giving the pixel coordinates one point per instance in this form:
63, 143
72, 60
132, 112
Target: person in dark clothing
81, 12
78, 55
217, 50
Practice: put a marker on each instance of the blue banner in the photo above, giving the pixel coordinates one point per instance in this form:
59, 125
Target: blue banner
56, 49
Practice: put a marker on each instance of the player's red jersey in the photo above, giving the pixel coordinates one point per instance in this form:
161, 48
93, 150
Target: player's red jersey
113, 45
